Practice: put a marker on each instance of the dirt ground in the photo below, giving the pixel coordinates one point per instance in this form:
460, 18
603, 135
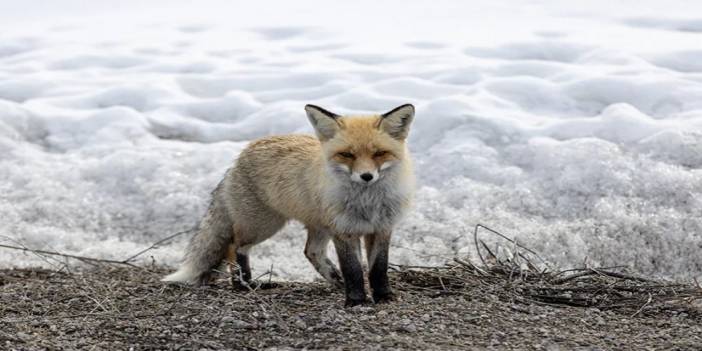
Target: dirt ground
455, 308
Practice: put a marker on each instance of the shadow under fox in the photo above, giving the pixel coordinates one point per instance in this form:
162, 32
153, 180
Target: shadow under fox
352, 182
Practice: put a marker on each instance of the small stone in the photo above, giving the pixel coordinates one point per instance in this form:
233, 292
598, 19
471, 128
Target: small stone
239, 324
410, 328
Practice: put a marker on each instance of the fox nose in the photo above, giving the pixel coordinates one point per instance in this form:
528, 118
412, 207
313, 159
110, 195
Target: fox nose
367, 177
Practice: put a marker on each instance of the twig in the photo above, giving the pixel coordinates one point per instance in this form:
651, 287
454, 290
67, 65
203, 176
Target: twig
443, 287
47, 259
508, 239
650, 298
477, 248
405, 266
80, 258
574, 276
468, 264
586, 268
622, 276
156, 244
492, 255
270, 276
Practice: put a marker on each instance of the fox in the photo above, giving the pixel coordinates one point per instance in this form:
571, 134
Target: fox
351, 182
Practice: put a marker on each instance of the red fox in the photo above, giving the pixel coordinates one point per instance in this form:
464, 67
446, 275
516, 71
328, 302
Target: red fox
353, 181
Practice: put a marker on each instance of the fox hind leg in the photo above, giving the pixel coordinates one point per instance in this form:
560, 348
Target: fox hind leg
316, 253
254, 223
239, 267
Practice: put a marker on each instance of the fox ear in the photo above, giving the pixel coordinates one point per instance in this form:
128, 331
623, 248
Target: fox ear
324, 122
397, 122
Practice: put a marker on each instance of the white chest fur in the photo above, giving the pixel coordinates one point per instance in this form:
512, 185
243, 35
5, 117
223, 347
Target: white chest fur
360, 209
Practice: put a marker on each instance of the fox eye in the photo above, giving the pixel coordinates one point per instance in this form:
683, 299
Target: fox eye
346, 154
380, 153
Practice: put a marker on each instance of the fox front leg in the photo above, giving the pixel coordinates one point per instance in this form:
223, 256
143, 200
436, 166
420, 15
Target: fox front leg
316, 253
347, 247
377, 249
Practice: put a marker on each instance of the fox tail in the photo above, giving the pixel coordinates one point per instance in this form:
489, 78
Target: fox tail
207, 247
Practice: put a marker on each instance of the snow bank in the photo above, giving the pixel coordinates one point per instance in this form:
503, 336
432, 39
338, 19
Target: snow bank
116, 125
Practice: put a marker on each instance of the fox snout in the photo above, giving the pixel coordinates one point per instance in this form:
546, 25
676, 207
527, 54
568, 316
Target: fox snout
365, 177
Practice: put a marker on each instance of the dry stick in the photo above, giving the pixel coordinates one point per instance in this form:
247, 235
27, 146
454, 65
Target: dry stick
47, 259
588, 269
156, 244
405, 266
508, 239
443, 287
531, 266
573, 276
622, 276
468, 264
492, 255
270, 275
80, 258
477, 248
650, 298
514, 261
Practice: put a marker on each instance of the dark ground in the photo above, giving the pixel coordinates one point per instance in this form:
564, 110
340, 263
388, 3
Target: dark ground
456, 307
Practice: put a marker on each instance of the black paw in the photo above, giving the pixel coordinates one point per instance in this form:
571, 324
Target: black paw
243, 285
384, 297
355, 302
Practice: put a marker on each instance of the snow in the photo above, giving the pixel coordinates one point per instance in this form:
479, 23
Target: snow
577, 131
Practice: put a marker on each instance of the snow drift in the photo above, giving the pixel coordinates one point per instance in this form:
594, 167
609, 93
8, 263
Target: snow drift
576, 131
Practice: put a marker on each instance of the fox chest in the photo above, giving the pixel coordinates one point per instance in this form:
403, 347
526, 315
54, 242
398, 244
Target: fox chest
367, 211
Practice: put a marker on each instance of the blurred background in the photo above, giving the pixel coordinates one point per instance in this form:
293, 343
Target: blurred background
574, 127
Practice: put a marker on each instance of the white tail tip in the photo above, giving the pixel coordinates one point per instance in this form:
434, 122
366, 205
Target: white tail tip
182, 275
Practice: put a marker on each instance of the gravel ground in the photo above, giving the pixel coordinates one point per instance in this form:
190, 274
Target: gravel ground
120, 308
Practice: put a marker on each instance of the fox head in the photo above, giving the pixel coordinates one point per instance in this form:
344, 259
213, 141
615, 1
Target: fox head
364, 148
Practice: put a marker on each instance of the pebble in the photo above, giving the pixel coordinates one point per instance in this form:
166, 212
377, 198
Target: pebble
410, 328
300, 323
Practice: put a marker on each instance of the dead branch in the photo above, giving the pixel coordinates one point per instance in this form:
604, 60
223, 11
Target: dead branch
75, 257
650, 298
157, 244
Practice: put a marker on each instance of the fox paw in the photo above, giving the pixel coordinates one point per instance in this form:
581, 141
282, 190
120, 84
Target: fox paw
239, 285
384, 297
355, 302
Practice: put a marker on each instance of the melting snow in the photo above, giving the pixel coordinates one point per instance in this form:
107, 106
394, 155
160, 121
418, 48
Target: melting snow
576, 130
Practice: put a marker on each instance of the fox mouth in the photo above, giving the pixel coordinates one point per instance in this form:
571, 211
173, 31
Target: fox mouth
364, 184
